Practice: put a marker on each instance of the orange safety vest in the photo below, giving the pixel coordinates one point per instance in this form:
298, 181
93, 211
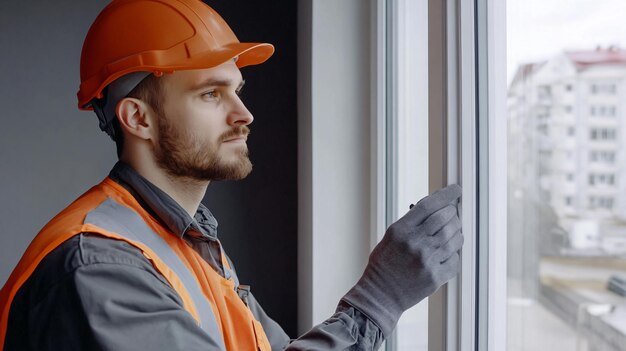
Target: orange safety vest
111, 211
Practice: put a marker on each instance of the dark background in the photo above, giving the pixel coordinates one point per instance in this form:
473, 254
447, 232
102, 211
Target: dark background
50, 152
258, 216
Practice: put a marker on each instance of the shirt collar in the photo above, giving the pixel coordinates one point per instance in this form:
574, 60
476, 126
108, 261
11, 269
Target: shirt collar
162, 206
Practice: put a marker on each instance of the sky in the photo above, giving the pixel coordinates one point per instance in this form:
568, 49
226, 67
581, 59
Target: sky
539, 29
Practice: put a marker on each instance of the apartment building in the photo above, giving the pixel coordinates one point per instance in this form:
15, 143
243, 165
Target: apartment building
567, 132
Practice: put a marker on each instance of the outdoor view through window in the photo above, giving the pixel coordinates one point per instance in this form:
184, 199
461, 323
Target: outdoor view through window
567, 175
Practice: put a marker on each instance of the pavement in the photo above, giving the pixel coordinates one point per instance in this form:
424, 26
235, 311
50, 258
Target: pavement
573, 311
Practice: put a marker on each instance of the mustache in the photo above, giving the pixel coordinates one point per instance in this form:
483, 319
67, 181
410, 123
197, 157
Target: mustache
235, 132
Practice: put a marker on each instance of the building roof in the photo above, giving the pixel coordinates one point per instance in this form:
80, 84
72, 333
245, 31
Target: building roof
610, 55
582, 60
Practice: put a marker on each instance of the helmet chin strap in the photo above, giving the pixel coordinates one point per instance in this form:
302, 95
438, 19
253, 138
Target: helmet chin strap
113, 93
103, 122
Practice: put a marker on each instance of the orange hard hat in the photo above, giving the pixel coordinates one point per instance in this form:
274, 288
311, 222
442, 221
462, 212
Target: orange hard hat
157, 36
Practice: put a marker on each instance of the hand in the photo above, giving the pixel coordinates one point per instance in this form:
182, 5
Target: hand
417, 255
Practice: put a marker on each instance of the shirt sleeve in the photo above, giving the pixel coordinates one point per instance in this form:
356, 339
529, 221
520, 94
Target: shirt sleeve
99, 294
347, 329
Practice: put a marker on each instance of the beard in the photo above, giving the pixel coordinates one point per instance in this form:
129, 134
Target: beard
183, 154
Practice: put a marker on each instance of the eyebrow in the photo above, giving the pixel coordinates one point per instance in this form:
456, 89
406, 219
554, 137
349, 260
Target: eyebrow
211, 82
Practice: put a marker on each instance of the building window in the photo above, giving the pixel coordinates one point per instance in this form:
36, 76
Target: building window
570, 177
571, 131
601, 179
604, 202
603, 134
603, 110
602, 156
603, 88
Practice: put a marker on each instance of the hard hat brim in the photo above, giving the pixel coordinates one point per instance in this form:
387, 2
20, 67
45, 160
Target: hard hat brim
247, 54
252, 53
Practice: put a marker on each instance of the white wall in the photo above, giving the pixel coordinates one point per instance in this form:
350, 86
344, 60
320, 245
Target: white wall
334, 161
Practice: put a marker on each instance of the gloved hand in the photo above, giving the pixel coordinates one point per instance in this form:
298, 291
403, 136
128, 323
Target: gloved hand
417, 255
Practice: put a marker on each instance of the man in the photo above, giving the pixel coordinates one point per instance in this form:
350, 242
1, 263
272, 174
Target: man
135, 262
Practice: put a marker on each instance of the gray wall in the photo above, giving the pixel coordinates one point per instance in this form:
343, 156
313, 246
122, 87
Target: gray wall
50, 152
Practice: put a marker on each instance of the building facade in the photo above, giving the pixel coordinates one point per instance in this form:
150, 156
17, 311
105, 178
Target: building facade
567, 130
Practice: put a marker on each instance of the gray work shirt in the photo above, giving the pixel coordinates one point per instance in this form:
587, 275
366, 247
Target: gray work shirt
94, 293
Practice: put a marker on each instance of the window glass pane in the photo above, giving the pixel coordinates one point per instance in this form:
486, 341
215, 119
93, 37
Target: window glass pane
567, 175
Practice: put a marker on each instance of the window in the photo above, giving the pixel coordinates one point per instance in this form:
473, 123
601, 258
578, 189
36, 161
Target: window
603, 134
408, 138
601, 179
603, 110
559, 246
603, 88
548, 220
423, 114
602, 156
601, 202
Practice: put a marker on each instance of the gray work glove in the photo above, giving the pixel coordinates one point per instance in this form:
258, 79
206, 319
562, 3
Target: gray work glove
417, 255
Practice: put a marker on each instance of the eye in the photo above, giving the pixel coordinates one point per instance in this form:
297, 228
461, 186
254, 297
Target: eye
210, 95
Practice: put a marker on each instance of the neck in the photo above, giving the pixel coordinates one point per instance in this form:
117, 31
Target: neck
185, 191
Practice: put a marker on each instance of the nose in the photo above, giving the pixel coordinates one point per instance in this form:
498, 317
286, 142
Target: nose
239, 115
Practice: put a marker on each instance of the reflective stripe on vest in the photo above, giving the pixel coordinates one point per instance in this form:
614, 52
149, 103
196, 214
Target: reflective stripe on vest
122, 220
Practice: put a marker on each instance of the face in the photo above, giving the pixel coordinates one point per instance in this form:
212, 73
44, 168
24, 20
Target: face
203, 125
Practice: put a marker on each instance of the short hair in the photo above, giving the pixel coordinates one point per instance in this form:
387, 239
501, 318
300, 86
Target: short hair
149, 90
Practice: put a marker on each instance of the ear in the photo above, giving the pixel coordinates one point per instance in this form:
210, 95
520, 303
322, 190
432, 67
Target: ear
136, 118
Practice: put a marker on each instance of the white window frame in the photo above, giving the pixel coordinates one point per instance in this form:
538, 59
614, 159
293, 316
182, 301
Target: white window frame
467, 97
452, 310
402, 38
492, 174
460, 72
472, 310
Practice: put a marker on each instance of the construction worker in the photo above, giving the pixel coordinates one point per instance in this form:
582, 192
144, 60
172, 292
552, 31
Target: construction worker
135, 263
